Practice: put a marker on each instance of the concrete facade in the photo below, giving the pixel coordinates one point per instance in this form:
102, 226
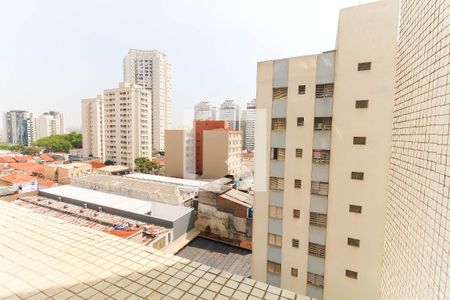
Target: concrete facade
229, 111
93, 127
250, 121
19, 126
416, 253
175, 154
152, 71
310, 237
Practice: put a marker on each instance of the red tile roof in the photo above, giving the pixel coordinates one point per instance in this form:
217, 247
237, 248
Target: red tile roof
28, 166
17, 178
97, 165
23, 158
46, 157
7, 159
125, 233
46, 183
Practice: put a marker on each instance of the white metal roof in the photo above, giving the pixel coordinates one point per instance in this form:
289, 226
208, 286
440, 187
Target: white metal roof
165, 179
158, 210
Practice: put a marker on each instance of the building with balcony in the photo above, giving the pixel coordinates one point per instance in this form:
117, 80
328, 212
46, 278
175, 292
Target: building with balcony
321, 167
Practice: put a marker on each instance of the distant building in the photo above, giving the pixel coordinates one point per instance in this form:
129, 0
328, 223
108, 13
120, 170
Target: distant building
205, 111
229, 111
63, 173
222, 153
151, 70
49, 123
93, 127
19, 126
175, 153
243, 128
250, 120
199, 127
114, 170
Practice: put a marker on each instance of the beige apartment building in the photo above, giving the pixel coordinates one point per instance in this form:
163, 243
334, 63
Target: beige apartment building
175, 155
93, 127
222, 153
323, 138
416, 257
128, 127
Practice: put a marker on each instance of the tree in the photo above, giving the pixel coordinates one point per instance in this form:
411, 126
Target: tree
75, 139
155, 167
54, 143
143, 164
109, 163
30, 150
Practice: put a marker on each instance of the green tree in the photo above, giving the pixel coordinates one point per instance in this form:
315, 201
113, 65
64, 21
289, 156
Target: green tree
109, 162
75, 139
143, 164
33, 150
155, 167
54, 143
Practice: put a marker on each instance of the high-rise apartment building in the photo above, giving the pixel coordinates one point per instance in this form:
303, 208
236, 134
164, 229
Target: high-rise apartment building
49, 123
416, 257
128, 127
93, 127
229, 111
222, 153
19, 126
205, 111
199, 127
250, 119
323, 159
152, 71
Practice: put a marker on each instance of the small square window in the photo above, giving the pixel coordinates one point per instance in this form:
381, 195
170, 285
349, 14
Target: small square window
294, 272
301, 89
297, 183
364, 66
295, 243
359, 140
355, 208
300, 121
353, 242
361, 103
357, 175
298, 152
296, 213
351, 274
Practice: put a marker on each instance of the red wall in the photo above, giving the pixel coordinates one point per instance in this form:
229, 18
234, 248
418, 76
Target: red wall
199, 127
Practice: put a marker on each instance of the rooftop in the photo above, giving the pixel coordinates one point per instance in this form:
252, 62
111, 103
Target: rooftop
219, 255
71, 165
45, 257
28, 166
238, 197
106, 200
117, 168
171, 180
17, 178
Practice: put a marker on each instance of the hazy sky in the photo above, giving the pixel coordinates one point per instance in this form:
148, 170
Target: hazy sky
54, 53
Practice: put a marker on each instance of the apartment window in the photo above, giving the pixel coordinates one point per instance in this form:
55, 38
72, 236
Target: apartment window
276, 183
316, 250
300, 121
274, 239
359, 140
364, 66
353, 242
298, 152
324, 90
319, 188
361, 103
278, 153
351, 274
297, 183
301, 89
355, 208
273, 267
295, 243
296, 213
275, 212
357, 175
317, 219
322, 123
294, 272
280, 93
315, 279
278, 123
321, 156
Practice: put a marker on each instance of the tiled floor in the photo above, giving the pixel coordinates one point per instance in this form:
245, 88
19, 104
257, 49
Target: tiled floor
48, 258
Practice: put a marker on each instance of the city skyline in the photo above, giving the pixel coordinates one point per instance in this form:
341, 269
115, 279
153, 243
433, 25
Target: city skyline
64, 56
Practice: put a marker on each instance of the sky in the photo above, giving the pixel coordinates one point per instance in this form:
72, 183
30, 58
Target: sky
55, 53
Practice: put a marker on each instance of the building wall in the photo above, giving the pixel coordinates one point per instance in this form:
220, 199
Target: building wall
199, 127
93, 127
19, 127
175, 154
229, 111
358, 27
250, 119
416, 252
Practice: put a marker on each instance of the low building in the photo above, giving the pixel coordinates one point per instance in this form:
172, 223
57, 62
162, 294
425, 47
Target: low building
226, 215
137, 188
222, 153
113, 170
62, 173
179, 219
175, 153
20, 182
76, 154
28, 168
